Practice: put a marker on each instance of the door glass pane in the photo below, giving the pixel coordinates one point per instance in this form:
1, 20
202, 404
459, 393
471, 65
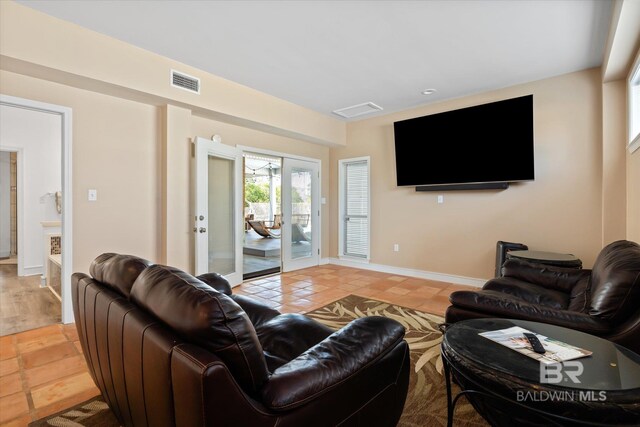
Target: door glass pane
301, 233
222, 258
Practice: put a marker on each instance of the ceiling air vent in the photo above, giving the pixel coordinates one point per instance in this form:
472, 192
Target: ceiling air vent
357, 110
185, 81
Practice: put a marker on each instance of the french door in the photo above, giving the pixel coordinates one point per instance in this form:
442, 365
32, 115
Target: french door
300, 214
218, 222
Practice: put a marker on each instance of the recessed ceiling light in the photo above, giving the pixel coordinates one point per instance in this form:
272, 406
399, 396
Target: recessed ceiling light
429, 91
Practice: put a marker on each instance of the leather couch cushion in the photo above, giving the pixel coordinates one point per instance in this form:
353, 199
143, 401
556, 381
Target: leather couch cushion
529, 292
287, 336
556, 278
615, 282
579, 298
117, 271
204, 317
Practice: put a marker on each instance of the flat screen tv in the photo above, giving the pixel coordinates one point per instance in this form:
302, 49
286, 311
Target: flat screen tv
489, 143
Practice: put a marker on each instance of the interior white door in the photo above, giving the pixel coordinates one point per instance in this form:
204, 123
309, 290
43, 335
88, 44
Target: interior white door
218, 207
300, 214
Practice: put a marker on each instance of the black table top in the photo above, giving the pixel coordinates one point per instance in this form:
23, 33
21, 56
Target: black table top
610, 368
542, 256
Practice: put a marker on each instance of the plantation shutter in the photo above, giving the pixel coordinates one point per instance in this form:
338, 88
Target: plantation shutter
356, 218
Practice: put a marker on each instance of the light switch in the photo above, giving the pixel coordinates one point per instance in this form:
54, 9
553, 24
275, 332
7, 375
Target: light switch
440, 198
93, 195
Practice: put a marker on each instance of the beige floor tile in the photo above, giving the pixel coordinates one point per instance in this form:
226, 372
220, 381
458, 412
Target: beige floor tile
21, 421
39, 333
65, 403
8, 351
10, 384
13, 406
41, 342
55, 370
51, 393
9, 366
48, 354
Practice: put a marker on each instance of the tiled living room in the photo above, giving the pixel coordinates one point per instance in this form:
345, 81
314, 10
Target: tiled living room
43, 371
441, 200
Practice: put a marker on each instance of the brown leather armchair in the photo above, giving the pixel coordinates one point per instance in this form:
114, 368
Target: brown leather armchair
604, 301
169, 349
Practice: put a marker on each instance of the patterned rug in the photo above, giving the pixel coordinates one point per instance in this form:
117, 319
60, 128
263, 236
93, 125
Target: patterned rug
426, 403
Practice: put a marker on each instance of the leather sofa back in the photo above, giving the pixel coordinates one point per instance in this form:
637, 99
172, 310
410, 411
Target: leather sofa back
207, 317
615, 282
128, 354
118, 271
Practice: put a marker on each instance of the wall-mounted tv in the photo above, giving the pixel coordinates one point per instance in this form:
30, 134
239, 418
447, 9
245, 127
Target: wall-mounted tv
489, 143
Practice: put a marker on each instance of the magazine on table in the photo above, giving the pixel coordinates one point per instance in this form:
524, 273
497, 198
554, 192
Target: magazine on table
555, 351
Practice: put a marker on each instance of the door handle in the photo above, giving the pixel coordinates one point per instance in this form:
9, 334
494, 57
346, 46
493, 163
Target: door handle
203, 230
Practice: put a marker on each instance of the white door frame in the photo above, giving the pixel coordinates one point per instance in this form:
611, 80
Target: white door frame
249, 150
66, 116
203, 149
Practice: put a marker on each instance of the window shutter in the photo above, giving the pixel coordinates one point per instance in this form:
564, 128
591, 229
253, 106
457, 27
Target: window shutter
356, 220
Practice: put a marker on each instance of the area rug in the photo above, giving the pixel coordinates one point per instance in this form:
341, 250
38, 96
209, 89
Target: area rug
426, 403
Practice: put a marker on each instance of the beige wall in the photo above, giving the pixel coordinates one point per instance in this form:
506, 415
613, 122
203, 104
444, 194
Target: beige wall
36, 44
137, 157
177, 235
116, 151
236, 135
633, 196
560, 211
614, 133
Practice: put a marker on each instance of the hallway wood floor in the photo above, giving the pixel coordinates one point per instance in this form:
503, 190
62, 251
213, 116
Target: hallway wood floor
24, 305
43, 371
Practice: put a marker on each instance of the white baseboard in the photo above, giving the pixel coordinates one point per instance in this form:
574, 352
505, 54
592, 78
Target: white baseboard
32, 271
324, 261
421, 274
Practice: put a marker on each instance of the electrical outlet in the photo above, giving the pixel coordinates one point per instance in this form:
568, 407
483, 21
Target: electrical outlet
396, 247
440, 199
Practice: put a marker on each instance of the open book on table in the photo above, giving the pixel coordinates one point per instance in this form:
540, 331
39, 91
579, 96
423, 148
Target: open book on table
556, 351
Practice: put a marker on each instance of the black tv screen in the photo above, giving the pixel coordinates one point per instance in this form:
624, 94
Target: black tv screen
481, 144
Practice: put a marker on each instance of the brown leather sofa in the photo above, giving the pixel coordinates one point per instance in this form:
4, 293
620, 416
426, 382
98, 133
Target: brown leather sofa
168, 349
604, 301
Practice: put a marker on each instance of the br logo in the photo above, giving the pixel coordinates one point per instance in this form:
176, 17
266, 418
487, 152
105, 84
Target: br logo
557, 373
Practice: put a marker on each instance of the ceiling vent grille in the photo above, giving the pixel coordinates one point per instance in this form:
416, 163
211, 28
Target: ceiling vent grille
185, 81
358, 110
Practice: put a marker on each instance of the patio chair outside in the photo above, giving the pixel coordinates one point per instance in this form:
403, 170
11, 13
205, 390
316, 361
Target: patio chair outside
262, 229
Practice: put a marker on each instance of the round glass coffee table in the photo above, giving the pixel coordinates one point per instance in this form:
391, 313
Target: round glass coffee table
505, 386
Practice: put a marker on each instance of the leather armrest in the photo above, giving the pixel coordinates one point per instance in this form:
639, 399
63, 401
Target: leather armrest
547, 276
498, 304
217, 282
331, 362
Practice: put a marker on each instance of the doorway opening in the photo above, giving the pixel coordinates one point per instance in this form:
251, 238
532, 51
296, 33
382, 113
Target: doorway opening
35, 281
262, 197
30, 219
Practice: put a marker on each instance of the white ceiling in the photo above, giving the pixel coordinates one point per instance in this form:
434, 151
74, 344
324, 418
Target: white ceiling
327, 55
